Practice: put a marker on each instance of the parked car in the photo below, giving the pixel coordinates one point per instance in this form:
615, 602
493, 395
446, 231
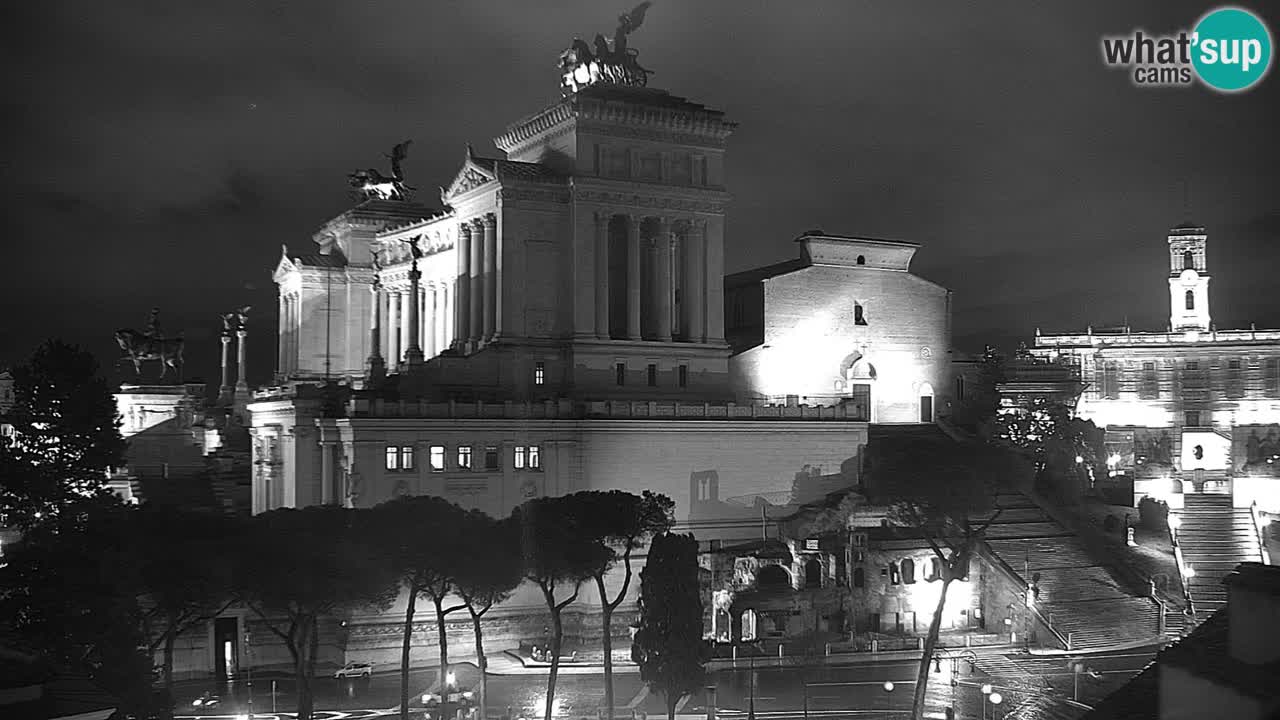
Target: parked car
354, 670
207, 700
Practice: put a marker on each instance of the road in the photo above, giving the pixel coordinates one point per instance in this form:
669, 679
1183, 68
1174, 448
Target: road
777, 693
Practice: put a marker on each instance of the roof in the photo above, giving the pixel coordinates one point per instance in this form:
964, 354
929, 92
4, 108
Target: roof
748, 277
334, 259
1206, 652
512, 169
1137, 699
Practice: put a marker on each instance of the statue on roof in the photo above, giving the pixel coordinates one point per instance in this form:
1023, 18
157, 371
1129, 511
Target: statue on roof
581, 66
415, 246
151, 345
371, 183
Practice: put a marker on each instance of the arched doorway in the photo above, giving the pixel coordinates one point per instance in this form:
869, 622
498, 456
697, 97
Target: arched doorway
926, 403
858, 375
812, 574
773, 577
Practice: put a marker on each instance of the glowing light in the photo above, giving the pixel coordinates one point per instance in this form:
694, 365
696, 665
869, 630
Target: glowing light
1079, 459
888, 686
1189, 571
1114, 459
450, 678
986, 689
996, 698
1175, 521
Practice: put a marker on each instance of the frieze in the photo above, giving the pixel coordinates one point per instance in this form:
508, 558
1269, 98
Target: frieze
530, 195
649, 201
658, 135
465, 488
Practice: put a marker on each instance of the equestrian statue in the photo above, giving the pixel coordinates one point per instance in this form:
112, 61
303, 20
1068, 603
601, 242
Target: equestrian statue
580, 65
373, 184
152, 345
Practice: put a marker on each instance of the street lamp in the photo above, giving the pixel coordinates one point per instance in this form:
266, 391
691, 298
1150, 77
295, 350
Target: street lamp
248, 653
888, 692
986, 695
996, 699
751, 702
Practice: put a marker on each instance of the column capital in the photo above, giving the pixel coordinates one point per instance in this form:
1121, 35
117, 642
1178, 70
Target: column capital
241, 333
489, 220
603, 217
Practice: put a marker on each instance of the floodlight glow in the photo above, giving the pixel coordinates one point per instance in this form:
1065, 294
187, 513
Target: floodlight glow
1175, 521
888, 686
986, 689
996, 698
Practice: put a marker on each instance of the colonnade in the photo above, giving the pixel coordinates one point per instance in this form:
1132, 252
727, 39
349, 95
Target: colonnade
435, 319
290, 322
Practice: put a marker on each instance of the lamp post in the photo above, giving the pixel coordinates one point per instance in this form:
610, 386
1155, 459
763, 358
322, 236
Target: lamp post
986, 695
888, 693
248, 653
751, 701
996, 699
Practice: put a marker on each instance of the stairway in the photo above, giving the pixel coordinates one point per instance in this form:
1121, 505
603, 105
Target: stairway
1215, 537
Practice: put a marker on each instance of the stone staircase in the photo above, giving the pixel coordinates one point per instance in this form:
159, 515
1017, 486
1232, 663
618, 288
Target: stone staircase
1215, 538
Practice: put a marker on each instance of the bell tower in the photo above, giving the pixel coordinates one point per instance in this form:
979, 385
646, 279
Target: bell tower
1188, 279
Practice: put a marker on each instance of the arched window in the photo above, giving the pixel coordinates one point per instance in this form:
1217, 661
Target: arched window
813, 574
1191, 300
859, 578
773, 577
895, 576
1188, 260
858, 318
935, 569
862, 260
908, 571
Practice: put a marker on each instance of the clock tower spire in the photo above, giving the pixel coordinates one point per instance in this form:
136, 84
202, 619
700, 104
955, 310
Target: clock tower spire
1188, 278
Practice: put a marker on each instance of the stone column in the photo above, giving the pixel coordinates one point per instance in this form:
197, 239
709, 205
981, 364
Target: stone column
413, 351
431, 302
462, 289
224, 391
242, 383
280, 338
403, 326
393, 327
714, 288
490, 277
475, 321
375, 368
633, 276
662, 281
602, 274
694, 297
326, 472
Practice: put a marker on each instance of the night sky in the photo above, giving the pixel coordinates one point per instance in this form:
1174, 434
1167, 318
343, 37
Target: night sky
159, 153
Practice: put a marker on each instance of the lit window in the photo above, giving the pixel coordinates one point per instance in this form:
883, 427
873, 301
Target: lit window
895, 576
858, 318
908, 571
620, 370
406, 457
1233, 364
539, 373
535, 457
811, 544
520, 455
437, 458
682, 375
653, 375
464, 457
491, 458
393, 457
1191, 300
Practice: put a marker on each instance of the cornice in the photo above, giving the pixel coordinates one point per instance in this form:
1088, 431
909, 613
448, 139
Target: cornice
645, 199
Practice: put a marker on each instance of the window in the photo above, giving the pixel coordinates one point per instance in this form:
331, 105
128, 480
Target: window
960, 388
895, 575
620, 370
1193, 365
682, 375
1150, 388
490, 458
1188, 262
859, 578
652, 375
539, 373
1191, 300
859, 539
1111, 381
1233, 364
399, 457
858, 318
862, 260
1271, 377
527, 457
437, 458
1235, 383
811, 544
908, 571
935, 569
1192, 418
464, 457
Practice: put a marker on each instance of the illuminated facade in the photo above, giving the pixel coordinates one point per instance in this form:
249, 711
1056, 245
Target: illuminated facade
845, 324
1190, 409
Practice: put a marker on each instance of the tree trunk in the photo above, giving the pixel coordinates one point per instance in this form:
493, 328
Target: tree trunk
312, 652
606, 643
483, 663
557, 637
673, 699
170, 635
930, 642
443, 633
404, 652
299, 650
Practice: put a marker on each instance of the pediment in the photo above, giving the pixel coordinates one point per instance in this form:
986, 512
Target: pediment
471, 176
285, 267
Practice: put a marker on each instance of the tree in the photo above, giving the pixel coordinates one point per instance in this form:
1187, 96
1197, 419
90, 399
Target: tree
420, 534
490, 572
977, 410
69, 591
177, 593
66, 435
668, 646
297, 566
557, 554
621, 522
1048, 431
945, 492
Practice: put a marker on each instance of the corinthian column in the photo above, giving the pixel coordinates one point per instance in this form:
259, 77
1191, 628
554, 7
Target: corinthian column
462, 290
224, 391
602, 274
242, 383
633, 276
662, 280
490, 276
376, 368
413, 355
393, 327
476, 321
406, 310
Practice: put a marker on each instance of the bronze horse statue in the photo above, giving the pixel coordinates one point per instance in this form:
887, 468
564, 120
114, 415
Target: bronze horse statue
139, 347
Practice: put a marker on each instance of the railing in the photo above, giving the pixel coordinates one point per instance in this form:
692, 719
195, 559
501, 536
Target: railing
612, 409
985, 551
1182, 568
1257, 532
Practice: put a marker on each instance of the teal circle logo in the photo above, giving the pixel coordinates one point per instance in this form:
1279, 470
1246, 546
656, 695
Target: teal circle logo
1231, 49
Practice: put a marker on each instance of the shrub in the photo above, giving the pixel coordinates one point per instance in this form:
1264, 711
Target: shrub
1153, 514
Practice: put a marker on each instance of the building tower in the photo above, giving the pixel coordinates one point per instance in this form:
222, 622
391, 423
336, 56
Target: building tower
1188, 279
